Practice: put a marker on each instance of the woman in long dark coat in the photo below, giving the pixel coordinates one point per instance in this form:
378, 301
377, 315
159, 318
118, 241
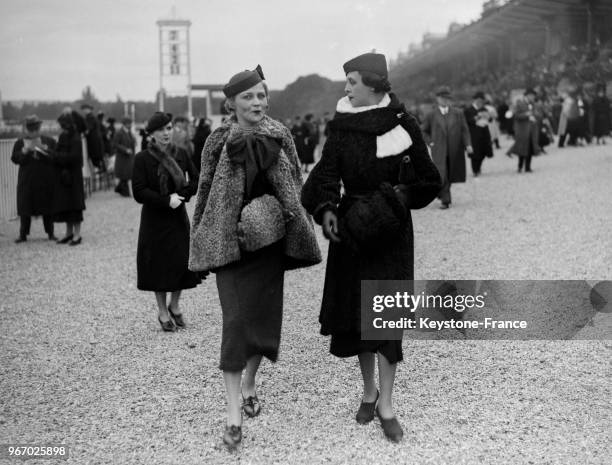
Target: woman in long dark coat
602, 116
525, 131
159, 184
249, 167
124, 145
69, 194
33, 153
370, 138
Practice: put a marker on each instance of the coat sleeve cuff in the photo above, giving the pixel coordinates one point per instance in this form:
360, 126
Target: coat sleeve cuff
321, 209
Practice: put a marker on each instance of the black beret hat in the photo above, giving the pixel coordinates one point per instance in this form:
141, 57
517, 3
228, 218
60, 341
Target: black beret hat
373, 62
443, 91
158, 121
478, 94
242, 81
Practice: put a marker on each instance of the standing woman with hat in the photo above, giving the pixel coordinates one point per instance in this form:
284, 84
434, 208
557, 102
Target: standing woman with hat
160, 185
376, 150
69, 194
249, 228
124, 145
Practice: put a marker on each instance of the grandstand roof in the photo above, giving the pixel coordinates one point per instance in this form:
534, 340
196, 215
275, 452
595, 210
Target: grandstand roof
514, 16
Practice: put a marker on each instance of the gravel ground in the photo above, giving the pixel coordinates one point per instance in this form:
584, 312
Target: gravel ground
84, 362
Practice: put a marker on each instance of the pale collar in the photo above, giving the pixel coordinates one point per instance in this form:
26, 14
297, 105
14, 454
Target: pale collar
443, 110
344, 105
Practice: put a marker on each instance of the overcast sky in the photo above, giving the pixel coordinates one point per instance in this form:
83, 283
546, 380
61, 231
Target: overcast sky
52, 49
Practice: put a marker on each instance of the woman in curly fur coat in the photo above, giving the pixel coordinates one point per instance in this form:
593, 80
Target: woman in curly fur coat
370, 138
250, 160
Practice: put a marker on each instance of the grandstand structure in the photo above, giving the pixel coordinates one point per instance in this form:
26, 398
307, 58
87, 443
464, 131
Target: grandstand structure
507, 35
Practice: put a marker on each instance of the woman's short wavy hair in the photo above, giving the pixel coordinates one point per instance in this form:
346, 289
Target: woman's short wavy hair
229, 101
377, 82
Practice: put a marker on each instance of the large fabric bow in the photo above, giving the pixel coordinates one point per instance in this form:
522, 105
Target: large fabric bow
257, 152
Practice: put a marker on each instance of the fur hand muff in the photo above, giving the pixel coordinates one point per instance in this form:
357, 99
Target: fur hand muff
262, 223
371, 221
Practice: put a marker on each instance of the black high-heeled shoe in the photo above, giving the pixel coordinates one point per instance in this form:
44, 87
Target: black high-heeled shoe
232, 436
178, 319
391, 427
365, 414
76, 241
65, 239
167, 326
251, 406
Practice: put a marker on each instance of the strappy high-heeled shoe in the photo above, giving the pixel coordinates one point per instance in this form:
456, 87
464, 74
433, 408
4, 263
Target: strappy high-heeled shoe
178, 319
167, 326
251, 406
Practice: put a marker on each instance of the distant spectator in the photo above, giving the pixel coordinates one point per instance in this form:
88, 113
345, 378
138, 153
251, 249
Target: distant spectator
93, 135
124, 146
477, 118
180, 135
203, 130
311, 139
447, 133
144, 139
68, 194
569, 120
525, 131
493, 122
106, 141
33, 153
602, 123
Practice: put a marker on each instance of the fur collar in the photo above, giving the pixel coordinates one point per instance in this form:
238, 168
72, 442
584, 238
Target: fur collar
374, 121
344, 105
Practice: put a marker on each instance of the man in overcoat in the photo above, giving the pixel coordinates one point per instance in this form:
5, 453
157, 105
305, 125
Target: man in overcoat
33, 153
448, 136
123, 147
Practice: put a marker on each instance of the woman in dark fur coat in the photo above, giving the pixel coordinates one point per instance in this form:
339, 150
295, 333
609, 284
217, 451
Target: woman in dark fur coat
375, 148
160, 185
249, 164
68, 194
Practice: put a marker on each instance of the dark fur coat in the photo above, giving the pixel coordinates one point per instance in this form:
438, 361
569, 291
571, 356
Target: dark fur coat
349, 156
221, 191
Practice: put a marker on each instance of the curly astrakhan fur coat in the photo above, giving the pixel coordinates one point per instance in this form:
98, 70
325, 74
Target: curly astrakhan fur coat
221, 190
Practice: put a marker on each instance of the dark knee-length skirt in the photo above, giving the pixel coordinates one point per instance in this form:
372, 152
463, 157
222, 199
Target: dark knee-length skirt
251, 295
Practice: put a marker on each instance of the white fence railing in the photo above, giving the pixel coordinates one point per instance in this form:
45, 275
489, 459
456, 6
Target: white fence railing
8, 180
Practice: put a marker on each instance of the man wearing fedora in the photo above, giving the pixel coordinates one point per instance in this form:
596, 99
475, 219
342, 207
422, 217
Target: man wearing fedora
33, 153
448, 136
